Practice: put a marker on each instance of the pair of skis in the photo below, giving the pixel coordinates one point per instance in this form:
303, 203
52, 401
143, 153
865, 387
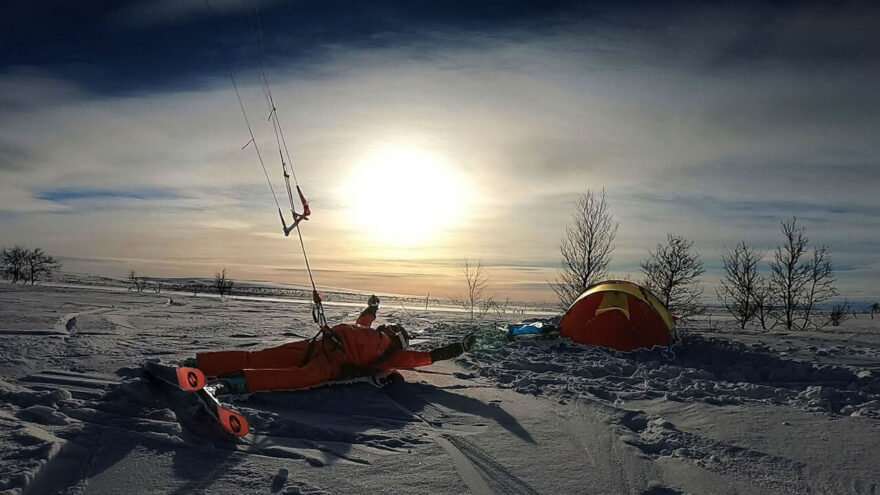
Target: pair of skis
193, 380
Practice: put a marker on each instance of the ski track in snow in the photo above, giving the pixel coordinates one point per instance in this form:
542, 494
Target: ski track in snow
499, 478
75, 404
713, 370
656, 437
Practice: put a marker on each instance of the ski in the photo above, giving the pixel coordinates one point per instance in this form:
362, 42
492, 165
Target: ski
193, 380
381, 379
384, 379
185, 378
230, 420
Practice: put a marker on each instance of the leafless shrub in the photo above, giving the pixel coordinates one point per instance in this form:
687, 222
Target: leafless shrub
13, 263
789, 272
820, 284
477, 282
157, 287
839, 313
797, 282
671, 272
740, 282
586, 248
874, 308
222, 284
765, 305
137, 284
502, 308
711, 324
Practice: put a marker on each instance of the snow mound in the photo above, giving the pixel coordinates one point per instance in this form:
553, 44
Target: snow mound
43, 415
707, 369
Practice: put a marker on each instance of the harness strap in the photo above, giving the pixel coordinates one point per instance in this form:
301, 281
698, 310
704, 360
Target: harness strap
352, 370
324, 333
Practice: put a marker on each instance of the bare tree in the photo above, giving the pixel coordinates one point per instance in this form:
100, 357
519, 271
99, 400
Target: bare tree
765, 305
798, 281
27, 265
138, 284
740, 282
839, 313
222, 284
502, 308
671, 272
790, 273
874, 308
586, 248
820, 284
38, 263
477, 282
13, 263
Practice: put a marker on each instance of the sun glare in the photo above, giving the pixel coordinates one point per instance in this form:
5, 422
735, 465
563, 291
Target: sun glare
405, 196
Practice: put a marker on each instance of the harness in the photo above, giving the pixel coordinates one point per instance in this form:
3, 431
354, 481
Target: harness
325, 332
350, 370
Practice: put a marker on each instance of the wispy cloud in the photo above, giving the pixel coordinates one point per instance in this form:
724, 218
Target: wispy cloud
68, 195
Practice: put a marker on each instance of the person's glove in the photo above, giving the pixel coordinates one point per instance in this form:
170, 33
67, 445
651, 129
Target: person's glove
372, 306
453, 350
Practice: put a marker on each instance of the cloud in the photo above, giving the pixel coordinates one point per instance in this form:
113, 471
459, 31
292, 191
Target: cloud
146, 14
65, 195
24, 88
12, 157
716, 124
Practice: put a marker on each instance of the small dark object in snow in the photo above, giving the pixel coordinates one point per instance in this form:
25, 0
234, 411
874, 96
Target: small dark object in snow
280, 480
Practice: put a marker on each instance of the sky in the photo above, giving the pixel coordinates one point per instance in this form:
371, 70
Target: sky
425, 133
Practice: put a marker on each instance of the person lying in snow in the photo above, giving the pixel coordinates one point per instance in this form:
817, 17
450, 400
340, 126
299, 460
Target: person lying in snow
342, 352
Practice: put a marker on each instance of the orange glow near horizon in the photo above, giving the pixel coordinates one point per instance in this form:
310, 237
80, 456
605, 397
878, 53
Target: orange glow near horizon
405, 196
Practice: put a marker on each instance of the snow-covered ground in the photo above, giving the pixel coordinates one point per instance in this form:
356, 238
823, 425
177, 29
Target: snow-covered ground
730, 412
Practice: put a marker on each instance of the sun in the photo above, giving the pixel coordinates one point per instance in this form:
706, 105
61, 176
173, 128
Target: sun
405, 196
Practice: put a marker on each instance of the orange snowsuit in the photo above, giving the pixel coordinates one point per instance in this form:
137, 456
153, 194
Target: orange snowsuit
286, 367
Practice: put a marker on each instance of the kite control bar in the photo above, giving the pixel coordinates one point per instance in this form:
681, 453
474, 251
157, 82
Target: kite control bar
297, 218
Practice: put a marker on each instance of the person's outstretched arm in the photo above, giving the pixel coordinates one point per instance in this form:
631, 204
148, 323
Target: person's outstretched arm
368, 315
454, 349
414, 359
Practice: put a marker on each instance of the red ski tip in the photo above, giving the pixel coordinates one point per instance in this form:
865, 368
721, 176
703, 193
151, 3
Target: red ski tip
233, 422
190, 379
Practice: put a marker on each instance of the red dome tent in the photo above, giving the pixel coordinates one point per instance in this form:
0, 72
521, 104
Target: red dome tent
620, 315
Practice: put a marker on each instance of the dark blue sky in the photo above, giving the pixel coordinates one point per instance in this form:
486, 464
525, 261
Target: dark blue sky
128, 46
112, 46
